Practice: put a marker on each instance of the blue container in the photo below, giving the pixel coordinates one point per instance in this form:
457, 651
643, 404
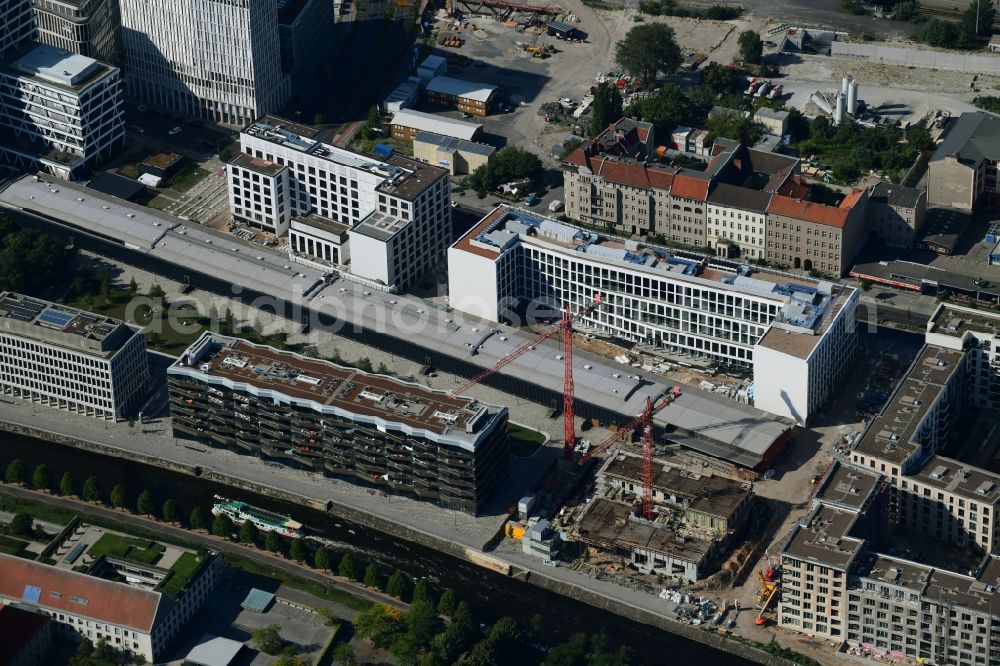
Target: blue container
383, 150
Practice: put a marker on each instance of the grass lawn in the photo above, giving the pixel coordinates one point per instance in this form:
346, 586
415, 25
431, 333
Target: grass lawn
38, 510
184, 569
523, 441
311, 587
11, 546
187, 179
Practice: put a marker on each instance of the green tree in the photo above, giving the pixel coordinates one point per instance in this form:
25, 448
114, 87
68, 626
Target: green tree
103, 652
365, 364
347, 568
422, 621
297, 551
373, 577
666, 109
405, 650
17, 471
104, 276
447, 603
118, 496
321, 559
133, 288
248, 532
978, 18
30, 258
571, 653
734, 125
170, 512
85, 648
422, 591
67, 485
268, 639
718, 78
751, 47
92, 491
222, 526
463, 617
648, 50
42, 478
343, 654
21, 524
144, 503
605, 109
380, 624
197, 520
400, 585
274, 543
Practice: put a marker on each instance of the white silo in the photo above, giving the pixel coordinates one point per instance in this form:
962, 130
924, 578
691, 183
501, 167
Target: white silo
845, 84
838, 111
852, 98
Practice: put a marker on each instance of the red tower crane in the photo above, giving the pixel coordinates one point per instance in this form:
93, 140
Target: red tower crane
653, 406
565, 327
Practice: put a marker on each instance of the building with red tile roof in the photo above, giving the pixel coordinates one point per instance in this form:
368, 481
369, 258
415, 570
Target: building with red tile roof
130, 618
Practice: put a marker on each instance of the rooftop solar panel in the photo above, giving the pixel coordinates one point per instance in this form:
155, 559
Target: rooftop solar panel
56, 318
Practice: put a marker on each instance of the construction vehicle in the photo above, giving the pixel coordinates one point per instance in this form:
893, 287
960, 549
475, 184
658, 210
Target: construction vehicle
653, 406
536, 51
770, 586
565, 327
451, 40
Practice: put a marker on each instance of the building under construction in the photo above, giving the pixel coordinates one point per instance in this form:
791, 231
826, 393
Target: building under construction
693, 520
340, 421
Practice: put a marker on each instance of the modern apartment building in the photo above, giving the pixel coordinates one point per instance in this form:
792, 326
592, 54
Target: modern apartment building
977, 333
316, 415
17, 24
217, 61
746, 203
473, 98
60, 112
70, 359
88, 27
962, 172
130, 618
896, 214
514, 262
398, 210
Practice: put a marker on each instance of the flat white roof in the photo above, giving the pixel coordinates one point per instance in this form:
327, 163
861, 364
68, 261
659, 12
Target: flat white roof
57, 66
446, 85
214, 651
429, 122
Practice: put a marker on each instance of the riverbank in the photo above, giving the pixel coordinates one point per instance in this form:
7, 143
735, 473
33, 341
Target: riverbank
398, 517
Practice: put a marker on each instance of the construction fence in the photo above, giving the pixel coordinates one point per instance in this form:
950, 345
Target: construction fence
914, 57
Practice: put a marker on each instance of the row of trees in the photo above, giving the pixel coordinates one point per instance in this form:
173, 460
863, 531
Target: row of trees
976, 22
673, 8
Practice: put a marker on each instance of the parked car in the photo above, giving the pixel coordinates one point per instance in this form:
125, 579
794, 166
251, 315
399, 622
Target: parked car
176, 130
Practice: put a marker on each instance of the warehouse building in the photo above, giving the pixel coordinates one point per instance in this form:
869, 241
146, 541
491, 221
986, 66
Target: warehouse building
514, 262
340, 421
458, 156
473, 98
70, 359
407, 124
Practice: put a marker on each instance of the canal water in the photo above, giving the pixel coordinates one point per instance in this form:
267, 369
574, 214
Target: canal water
490, 594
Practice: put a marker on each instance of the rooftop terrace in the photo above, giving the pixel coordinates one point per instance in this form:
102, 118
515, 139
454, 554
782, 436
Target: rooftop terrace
322, 384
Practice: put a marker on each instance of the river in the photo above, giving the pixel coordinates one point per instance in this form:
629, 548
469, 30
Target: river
490, 594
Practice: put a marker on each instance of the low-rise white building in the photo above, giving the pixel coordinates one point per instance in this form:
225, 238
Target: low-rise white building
318, 242
514, 264
345, 188
59, 112
70, 359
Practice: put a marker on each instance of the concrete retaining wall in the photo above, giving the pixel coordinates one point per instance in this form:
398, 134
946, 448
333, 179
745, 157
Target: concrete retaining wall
404, 532
912, 57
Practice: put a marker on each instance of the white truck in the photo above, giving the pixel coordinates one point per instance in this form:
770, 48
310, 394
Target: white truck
555, 205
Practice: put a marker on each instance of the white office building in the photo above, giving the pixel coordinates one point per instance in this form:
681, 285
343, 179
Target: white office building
60, 112
397, 211
219, 61
70, 359
513, 263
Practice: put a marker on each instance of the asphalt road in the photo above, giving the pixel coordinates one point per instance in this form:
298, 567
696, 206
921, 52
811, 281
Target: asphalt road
181, 535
